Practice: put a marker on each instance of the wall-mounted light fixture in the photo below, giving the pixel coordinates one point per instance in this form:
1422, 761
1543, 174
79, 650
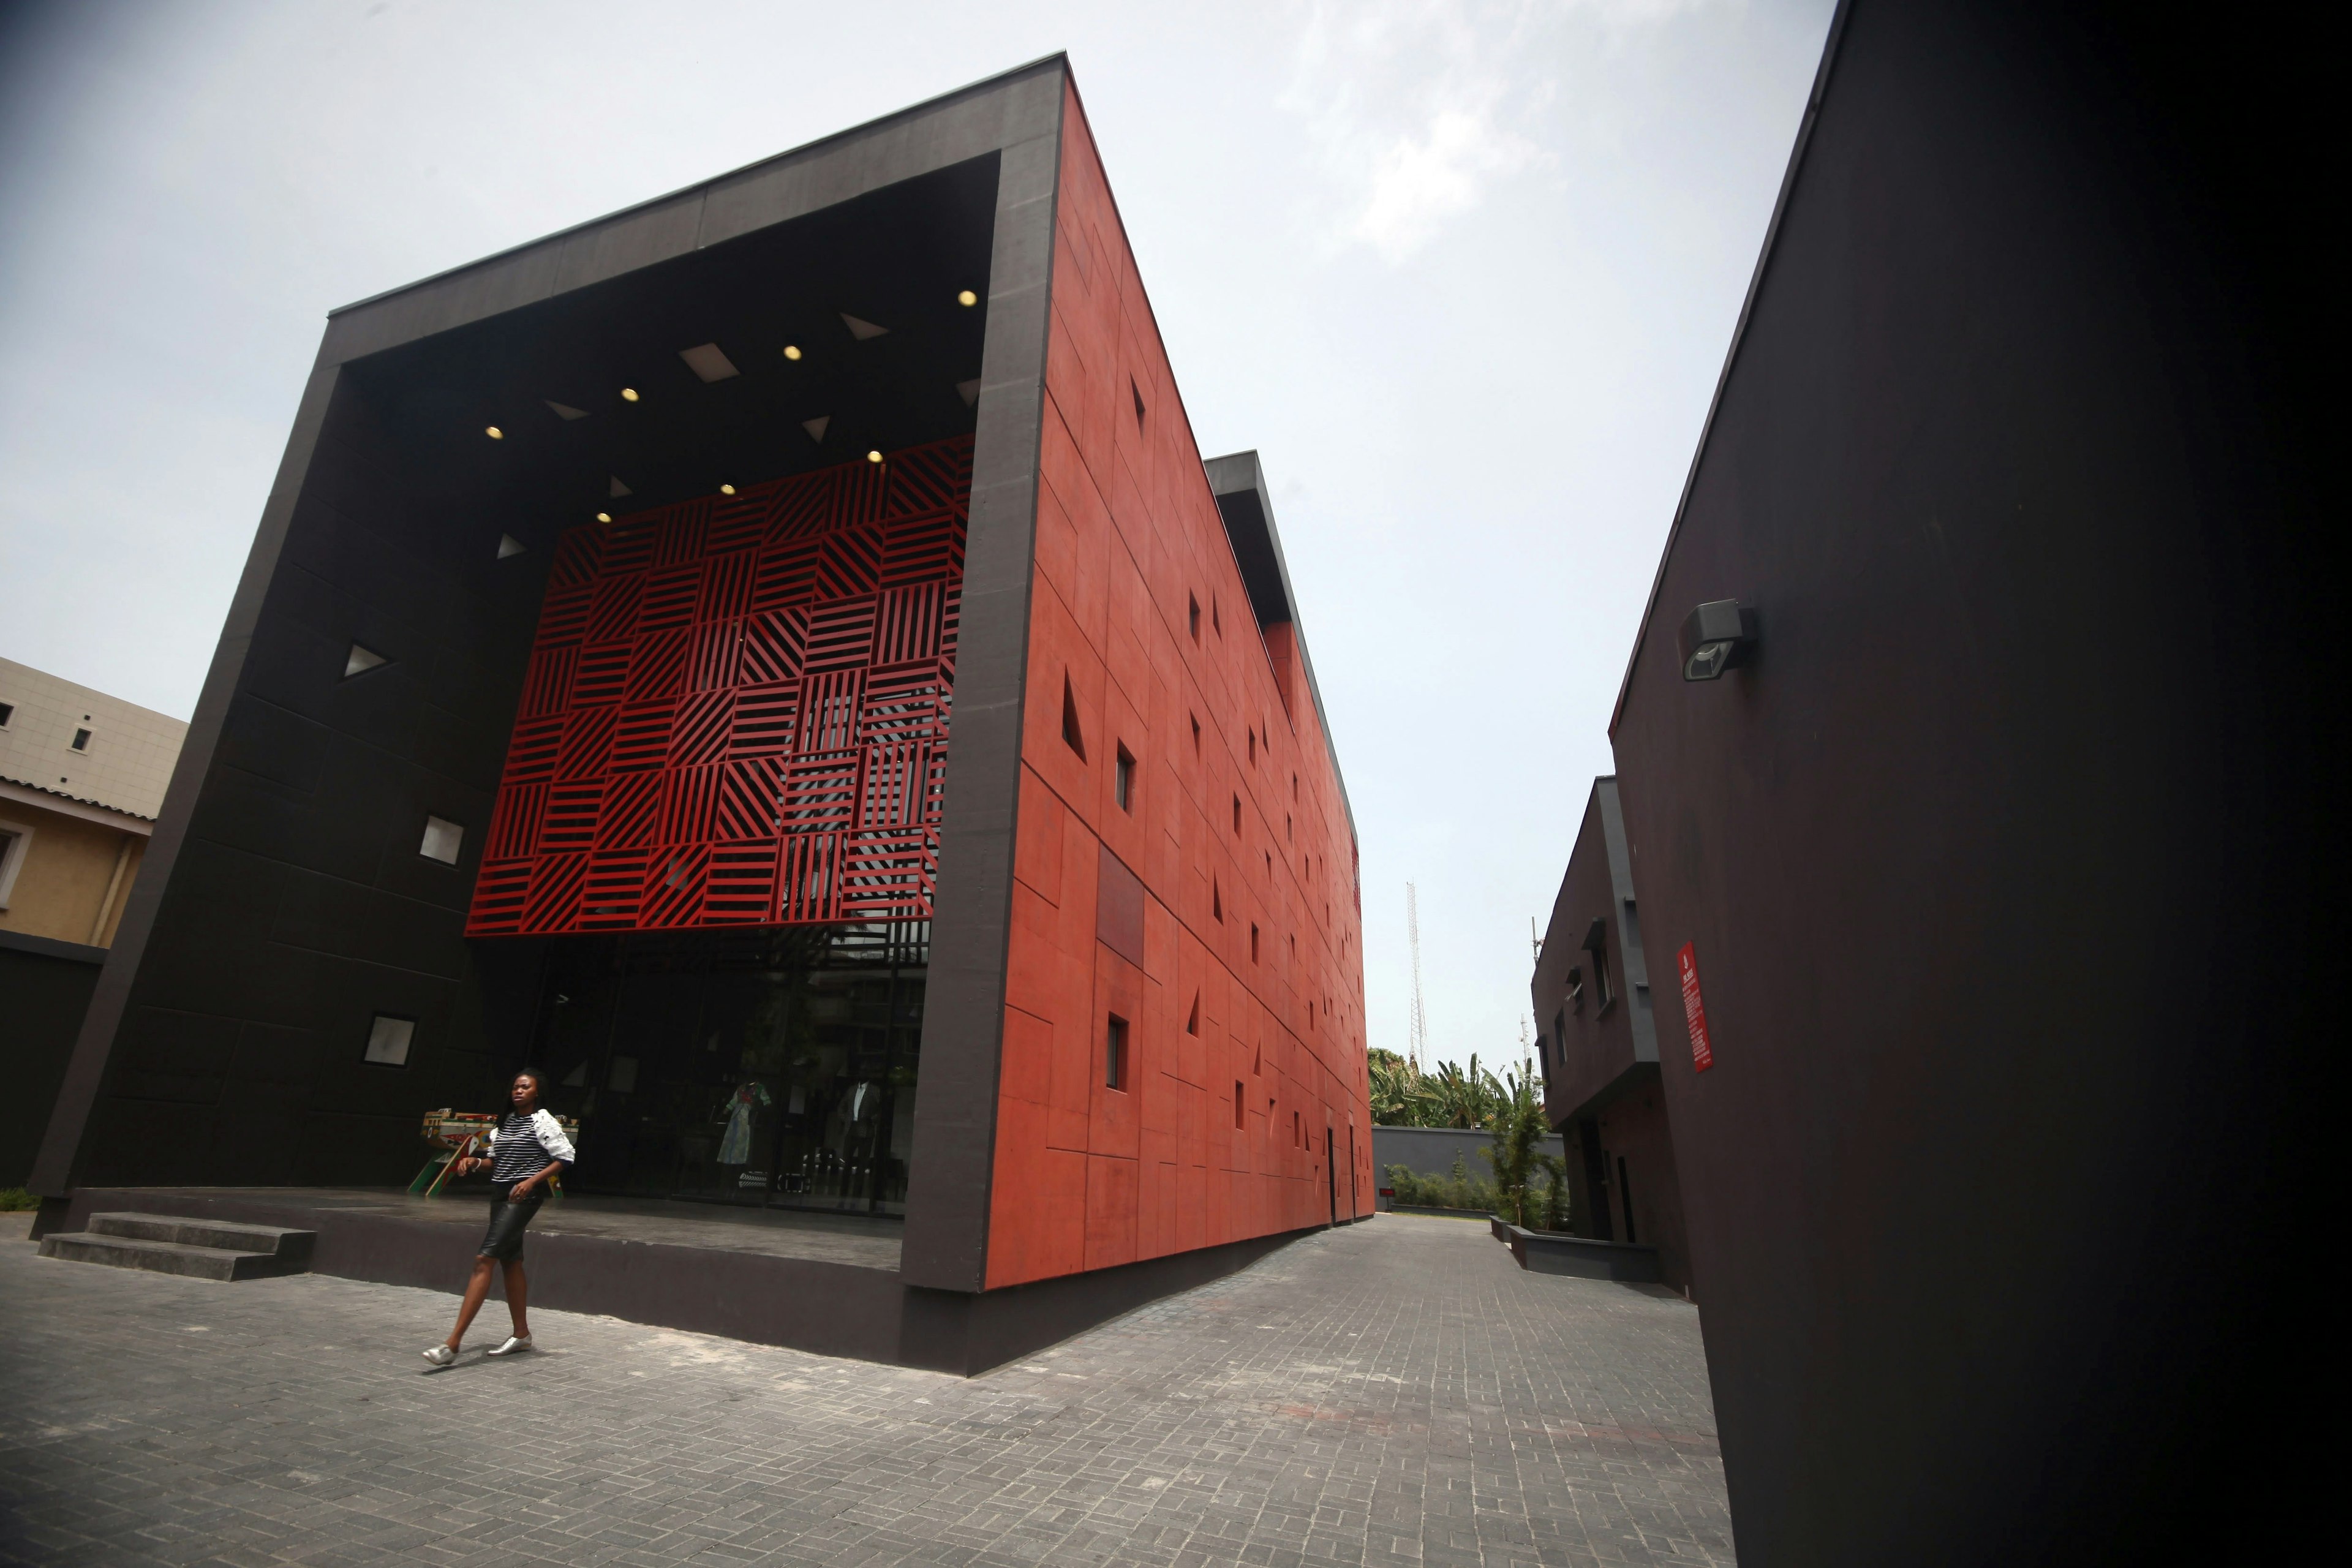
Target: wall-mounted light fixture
1716, 637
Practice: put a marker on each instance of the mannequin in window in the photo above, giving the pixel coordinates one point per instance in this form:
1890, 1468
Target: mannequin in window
751, 1098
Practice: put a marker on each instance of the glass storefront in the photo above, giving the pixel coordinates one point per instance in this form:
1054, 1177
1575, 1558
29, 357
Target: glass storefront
773, 1068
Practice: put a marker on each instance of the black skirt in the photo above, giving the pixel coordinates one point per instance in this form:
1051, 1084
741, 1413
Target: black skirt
503, 1240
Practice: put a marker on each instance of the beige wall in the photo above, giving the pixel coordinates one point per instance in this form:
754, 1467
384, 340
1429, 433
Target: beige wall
63, 880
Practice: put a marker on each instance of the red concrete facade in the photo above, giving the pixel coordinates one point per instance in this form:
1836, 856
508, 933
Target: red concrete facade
1214, 913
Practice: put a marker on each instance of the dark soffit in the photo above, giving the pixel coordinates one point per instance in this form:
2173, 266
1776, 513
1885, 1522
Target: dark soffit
1247, 504
896, 257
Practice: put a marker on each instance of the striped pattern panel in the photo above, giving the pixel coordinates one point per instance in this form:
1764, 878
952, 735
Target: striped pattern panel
736, 710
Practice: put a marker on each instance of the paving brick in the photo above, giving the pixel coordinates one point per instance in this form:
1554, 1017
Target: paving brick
1395, 1395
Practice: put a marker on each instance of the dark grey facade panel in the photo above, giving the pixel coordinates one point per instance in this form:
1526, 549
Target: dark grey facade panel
952, 1175
2003, 862
78, 1093
1594, 1051
999, 113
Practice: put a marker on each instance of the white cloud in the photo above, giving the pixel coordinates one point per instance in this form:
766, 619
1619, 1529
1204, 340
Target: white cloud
1417, 109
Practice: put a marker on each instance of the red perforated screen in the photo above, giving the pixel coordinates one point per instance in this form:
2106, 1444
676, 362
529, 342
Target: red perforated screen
737, 710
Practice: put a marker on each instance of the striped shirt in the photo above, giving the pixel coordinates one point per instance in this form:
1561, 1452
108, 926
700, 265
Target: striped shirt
523, 1146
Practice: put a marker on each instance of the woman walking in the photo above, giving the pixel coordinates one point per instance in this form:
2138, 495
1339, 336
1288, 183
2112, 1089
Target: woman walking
527, 1151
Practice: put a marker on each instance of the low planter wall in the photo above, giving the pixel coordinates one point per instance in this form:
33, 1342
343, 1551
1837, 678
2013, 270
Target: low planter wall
1549, 1252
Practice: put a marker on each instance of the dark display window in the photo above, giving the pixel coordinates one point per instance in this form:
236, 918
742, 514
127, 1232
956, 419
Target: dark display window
775, 1068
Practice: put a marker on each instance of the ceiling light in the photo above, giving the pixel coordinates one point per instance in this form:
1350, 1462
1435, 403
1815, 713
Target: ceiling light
727, 489
628, 394
873, 457
604, 517
495, 433
967, 297
792, 351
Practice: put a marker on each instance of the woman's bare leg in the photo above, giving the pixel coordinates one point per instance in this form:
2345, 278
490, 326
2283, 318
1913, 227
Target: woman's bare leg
477, 1289
518, 1299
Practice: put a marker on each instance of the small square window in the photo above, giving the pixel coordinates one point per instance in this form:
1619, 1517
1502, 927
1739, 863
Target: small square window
1123, 781
1115, 1054
1252, 942
441, 838
1239, 1116
1252, 744
1192, 622
81, 741
7, 711
389, 1039
1237, 813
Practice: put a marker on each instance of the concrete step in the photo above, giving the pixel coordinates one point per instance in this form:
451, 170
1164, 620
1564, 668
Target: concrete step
220, 1235
196, 1248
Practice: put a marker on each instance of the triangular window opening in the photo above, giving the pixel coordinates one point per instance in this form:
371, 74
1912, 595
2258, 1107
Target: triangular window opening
1072, 736
1192, 1023
1216, 902
510, 547
1216, 625
359, 660
1137, 393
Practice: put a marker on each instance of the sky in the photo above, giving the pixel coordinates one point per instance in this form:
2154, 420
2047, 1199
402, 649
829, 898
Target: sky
1464, 273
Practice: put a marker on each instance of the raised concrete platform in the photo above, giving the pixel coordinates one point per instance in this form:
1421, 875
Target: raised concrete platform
193, 1248
1551, 1252
821, 1282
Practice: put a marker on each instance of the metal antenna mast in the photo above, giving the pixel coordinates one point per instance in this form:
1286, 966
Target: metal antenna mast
1417, 1030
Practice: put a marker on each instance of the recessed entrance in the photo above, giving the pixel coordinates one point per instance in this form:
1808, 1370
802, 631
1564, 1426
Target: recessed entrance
771, 1068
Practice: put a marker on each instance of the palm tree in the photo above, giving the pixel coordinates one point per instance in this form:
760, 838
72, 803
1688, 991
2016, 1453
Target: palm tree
1519, 1128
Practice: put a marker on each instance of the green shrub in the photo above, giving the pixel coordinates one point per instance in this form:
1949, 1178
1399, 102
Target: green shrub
1550, 1209
1457, 1191
15, 1200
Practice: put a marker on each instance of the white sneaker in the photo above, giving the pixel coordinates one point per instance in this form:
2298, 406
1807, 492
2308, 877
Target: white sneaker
513, 1344
440, 1355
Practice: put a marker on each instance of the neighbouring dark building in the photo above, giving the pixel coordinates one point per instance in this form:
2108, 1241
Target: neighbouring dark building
774, 656
1599, 1045
1990, 891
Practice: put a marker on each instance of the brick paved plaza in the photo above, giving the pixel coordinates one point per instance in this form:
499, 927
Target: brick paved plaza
1392, 1393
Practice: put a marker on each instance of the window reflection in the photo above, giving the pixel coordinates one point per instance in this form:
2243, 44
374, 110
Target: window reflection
775, 1068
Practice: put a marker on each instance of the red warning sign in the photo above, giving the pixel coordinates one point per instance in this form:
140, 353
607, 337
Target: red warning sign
1694, 1008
